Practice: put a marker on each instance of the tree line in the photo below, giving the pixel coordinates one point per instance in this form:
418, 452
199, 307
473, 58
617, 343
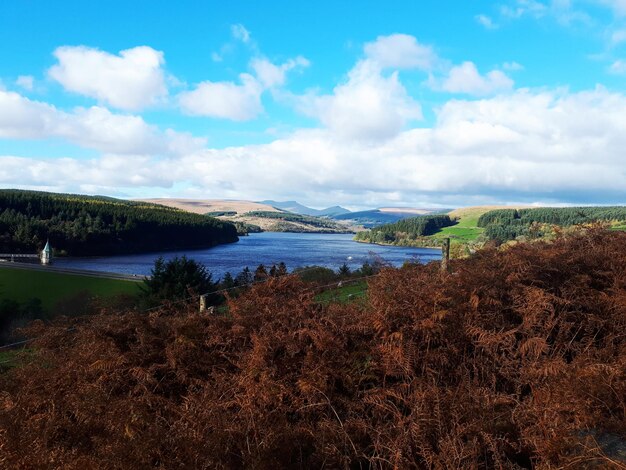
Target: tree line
406, 229
509, 224
92, 225
289, 217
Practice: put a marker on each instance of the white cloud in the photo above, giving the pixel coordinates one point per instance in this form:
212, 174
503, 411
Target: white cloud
465, 78
271, 75
618, 67
95, 128
240, 33
26, 82
524, 146
521, 8
618, 37
132, 80
617, 6
512, 66
238, 101
400, 51
226, 100
486, 21
368, 106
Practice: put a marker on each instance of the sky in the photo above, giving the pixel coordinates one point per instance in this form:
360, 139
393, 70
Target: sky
363, 104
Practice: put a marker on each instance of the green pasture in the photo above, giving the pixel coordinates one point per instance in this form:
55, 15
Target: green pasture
50, 287
344, 294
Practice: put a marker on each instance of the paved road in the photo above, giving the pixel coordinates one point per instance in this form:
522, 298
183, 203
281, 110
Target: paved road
80, 272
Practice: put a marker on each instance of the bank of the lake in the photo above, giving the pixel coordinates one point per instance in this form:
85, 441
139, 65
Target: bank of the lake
294, 249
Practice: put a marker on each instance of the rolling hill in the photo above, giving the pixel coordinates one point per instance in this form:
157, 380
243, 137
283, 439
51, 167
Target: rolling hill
384, 215
259, 215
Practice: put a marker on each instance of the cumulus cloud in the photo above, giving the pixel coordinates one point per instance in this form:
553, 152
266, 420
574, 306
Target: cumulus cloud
368, 106
95, 128
226, 100
238, 101
465, 78
26, 82
400, 51
525, 146
131, 80
271, 75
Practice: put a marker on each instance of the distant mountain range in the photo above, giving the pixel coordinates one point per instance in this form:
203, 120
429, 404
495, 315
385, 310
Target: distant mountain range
368, 218
297, 208
241, 210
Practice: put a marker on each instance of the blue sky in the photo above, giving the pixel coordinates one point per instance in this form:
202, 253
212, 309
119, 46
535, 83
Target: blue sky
370, 104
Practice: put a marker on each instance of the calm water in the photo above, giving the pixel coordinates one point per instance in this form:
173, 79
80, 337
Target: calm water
294, 249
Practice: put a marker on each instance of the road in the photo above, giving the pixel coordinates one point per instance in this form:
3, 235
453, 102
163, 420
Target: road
79, 272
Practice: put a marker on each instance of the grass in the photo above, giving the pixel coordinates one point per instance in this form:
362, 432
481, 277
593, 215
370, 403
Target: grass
22, 284
12, 358
344, 294
466, 230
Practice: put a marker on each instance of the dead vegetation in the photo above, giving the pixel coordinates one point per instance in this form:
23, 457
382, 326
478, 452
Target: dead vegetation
516, 360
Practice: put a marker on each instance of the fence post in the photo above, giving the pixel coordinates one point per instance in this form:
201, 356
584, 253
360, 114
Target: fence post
445, 255
203, 299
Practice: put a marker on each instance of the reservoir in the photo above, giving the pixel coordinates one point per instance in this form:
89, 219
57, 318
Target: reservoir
294, 249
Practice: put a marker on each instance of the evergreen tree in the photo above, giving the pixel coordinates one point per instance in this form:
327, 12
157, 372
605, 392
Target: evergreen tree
282, 269
178, 279
245, 277
260, 274
228, 282
344, 270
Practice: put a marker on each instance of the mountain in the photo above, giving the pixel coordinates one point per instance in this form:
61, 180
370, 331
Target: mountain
333, 211
259, 216
297, 208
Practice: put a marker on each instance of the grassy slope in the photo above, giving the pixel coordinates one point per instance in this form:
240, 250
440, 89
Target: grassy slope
342, 294
467, 230
21, 285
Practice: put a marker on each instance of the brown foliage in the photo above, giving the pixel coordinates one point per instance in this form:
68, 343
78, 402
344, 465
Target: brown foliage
516, 360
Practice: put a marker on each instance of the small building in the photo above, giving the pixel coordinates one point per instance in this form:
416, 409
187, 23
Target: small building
46, 254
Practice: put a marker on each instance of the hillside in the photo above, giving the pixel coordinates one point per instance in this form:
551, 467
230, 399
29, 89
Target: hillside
385, 215
290, 222
255, 214
513, 224
472, 227
516, 360
203, 206
406, 231
79, 225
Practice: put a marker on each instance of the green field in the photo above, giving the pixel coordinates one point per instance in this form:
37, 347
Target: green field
50, 287
344, 294
466, 229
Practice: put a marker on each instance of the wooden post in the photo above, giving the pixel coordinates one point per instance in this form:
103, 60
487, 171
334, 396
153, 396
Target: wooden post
445, 255
203, 299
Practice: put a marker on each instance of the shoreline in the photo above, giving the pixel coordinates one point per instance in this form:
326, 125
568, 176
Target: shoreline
398, 246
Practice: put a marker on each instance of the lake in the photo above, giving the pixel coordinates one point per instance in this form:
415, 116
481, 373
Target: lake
294, 249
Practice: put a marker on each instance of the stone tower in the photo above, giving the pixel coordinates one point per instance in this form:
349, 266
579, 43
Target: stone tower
46, 254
